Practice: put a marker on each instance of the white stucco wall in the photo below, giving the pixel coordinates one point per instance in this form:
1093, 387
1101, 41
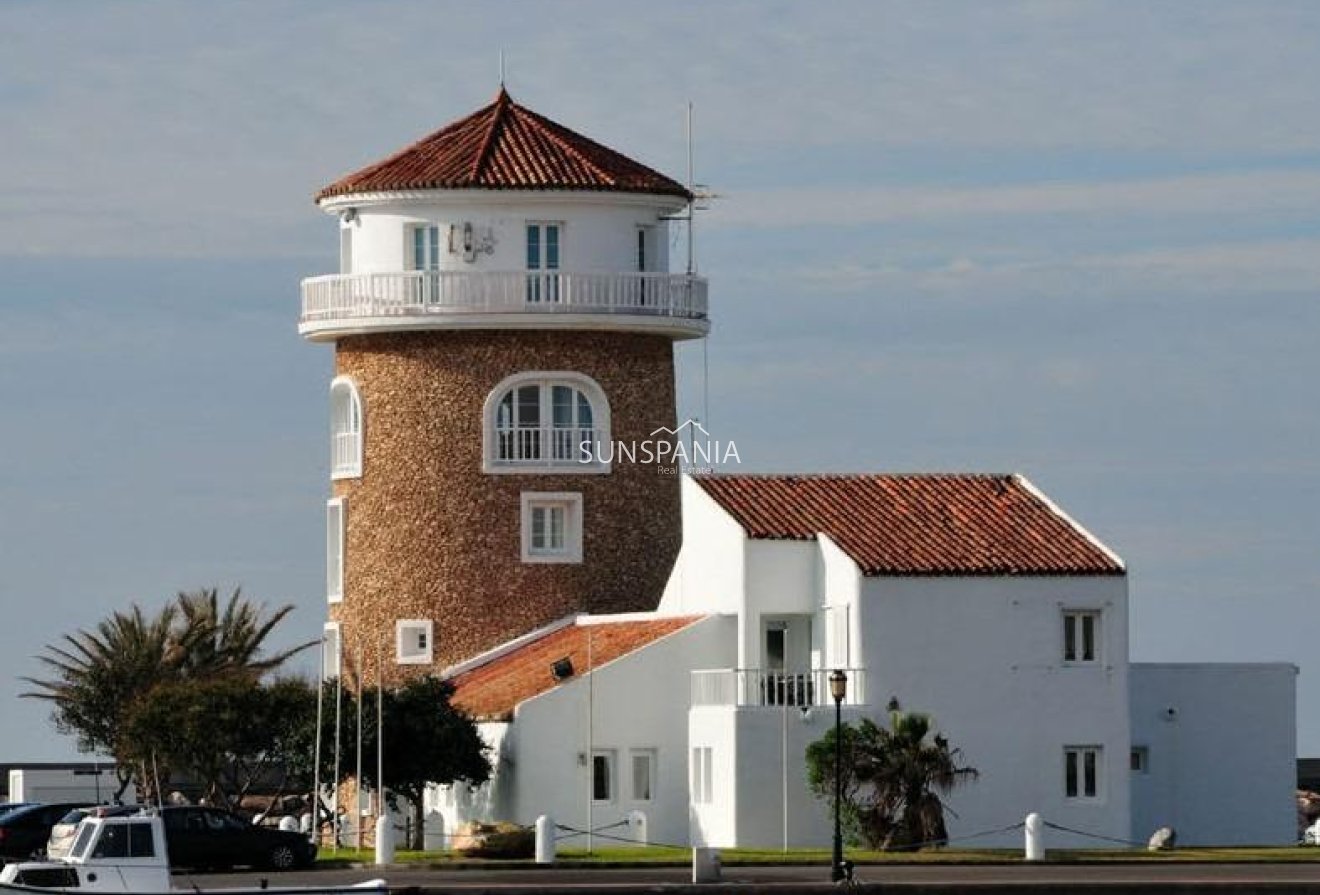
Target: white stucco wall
710, 574
983, 656
1221, 743
598, 231
637, 702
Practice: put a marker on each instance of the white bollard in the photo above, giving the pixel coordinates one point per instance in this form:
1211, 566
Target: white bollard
384, 840
433, 833
1035, 844
545, 839
705, 865
638, 826
305, 823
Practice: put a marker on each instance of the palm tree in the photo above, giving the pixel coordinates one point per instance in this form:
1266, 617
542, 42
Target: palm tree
894, 779
213, 641
909, 772
98, 676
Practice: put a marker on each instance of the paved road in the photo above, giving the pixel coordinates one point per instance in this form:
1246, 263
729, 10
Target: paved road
1278, 878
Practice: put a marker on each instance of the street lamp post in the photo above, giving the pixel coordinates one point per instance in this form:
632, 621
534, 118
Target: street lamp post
838, 690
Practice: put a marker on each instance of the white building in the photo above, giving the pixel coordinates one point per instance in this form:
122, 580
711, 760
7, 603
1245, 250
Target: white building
505, 300
969, 597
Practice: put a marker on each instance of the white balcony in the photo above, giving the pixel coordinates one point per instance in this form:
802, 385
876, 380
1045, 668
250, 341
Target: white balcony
571, 446
350, 304
773, 687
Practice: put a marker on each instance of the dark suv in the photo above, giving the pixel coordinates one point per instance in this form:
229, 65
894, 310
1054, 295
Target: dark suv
24, 831
197, 836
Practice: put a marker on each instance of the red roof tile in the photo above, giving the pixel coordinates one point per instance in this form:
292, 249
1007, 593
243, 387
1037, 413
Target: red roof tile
917, 524
493, 689
505, 146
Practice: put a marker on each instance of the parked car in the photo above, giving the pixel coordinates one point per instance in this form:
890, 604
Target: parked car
24, 831
61, 835
198, 836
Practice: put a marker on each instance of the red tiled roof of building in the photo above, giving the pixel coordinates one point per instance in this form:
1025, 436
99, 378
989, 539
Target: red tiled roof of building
942, 524
493, 689
505, 146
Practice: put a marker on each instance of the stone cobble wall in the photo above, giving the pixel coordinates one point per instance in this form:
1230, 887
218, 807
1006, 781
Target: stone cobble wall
430, 535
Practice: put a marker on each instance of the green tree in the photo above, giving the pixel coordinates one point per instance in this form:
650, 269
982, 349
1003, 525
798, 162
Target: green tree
427, 740
895, 779
229, 732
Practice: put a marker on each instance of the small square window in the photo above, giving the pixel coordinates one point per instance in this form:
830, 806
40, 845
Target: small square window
412, 639
1081, 637
602, 775
1139, 760
1081, 772
643, 775
551, 527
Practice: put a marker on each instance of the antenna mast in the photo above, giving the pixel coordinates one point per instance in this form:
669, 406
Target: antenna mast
692, 191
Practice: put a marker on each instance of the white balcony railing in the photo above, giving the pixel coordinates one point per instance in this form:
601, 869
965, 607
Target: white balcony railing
346, 453
766, 687
343, 298
540, 445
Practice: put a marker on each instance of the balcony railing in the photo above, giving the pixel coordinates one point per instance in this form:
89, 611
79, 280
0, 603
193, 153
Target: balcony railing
541, 445
346, 453
432, 298
768, 687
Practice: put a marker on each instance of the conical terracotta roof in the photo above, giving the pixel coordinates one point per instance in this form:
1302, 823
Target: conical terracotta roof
505, 146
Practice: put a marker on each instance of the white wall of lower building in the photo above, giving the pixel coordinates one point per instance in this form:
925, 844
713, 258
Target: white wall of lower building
635, 704
984, 657
1221, 746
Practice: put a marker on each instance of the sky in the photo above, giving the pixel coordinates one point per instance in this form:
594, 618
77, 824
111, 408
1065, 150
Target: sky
1076, 240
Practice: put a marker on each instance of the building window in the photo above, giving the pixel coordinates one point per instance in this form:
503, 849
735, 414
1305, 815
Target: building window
345, 429
412, 641
334, 550
551, 527
425, 242
1081, 772
1081, 637
330, 651
643, 774
543, 262
555, 422
702, 770
602, 775
1139, 760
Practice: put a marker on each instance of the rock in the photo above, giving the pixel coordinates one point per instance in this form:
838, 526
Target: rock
498, 840
1162, 839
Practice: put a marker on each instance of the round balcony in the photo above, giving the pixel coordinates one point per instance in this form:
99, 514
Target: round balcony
673, 305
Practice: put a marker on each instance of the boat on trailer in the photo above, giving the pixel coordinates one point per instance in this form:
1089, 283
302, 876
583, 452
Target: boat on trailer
128, 856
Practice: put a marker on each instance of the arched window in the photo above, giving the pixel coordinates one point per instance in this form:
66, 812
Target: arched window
345, 429
547, 422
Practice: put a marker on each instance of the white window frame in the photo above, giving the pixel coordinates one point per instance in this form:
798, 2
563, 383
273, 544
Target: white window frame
345, 248
651, 757
332, 650
432, 247
703, 767
411, 627
543, 278
1139, 759
610, 757
571, 504
1076, 618
546, 380
336, 525
347, 424
1074, 763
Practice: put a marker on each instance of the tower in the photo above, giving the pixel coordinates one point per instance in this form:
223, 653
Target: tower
503, 317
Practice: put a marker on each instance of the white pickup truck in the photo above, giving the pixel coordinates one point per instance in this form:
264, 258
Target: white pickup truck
129, 855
